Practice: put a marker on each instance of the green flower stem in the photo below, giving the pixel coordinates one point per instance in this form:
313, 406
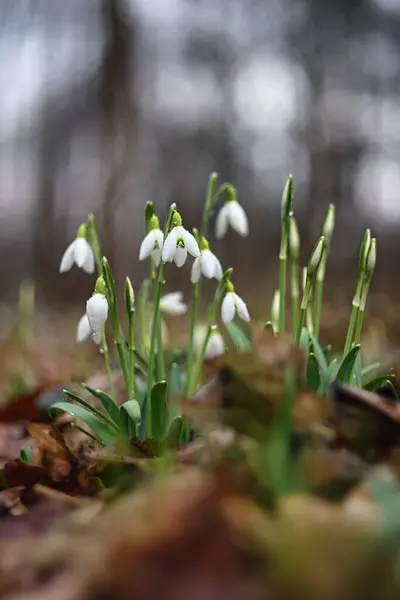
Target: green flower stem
94, 240
294, 279
195, 308
131, 392
282, 277
118, 334
143, 302
309, 312
303, 309
361, 312
353, 316
106, 355
212, 317
153, 343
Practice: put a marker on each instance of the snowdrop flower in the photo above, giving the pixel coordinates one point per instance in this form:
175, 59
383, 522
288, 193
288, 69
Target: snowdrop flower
79, 252
178, 243
233, 304
153, 242
97, 313
171, 304
207, 264
83, 329
215, 345
232, 213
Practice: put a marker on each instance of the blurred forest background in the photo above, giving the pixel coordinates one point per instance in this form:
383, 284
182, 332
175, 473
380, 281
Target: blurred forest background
105, 104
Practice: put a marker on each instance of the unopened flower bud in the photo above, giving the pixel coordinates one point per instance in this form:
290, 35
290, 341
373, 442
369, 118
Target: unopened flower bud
129, 296
100, 287
287, 199
371, 259
329, 224
316, 257
364, 249
294, 238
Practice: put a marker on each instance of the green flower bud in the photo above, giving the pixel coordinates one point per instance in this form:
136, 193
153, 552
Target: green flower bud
329, 224
176, 219
294, 238
149, 213
231, 193
129, 296
316, 257
287, 199
371, 259
364, 250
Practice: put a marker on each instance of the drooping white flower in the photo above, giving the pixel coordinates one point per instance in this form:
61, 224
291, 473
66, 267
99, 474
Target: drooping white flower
231, 214
178, 243
97, 313
215, 345
80, 252
83, 329
172, 304
153, 242
207, 264
233, 304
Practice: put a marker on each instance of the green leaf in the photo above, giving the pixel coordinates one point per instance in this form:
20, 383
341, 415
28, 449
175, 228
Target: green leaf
130, 415
108, 403
379, 381
174, 432
329, 376
369, 373
159, 409
238, 337
313, 376
357, 371
175, 379
97, 413
319, 355
346, 369
102, 430
26, 455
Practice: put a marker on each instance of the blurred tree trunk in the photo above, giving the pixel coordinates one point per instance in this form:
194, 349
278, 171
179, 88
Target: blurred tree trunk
118, 114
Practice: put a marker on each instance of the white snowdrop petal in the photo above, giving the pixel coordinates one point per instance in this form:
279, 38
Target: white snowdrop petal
196, 270
218, 269
158, 237
172, 304
241, 308
215, 346
221, 224
190, 243
147, 246
88, 265
81, 250
169, 248
83, 329
68, 258
228, 308
156, 256
180, 256
96, 337
208, 264
238, 218
97, 311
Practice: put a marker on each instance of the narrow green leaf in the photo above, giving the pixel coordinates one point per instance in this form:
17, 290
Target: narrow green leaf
305, 342
238, 337
101, 416
346, 369
108, 403
174, 433
130, 415
313, 376
379, 381
102, 430
159, 409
